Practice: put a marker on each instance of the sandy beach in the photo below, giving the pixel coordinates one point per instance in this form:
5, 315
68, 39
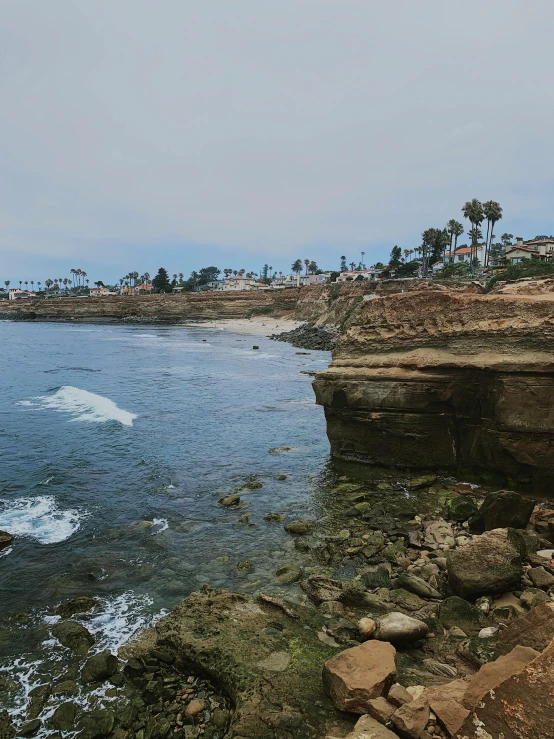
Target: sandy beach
258, 326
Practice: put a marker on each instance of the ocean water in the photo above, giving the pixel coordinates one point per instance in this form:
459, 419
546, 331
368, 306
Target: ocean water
116, 443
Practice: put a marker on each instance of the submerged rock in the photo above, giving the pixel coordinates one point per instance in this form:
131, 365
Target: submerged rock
299, 527
99, 667
488, 564
81, 604
6, 539
74, 636
288, 573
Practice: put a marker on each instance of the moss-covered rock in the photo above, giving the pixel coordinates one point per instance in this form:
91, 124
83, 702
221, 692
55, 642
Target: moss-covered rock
460, 508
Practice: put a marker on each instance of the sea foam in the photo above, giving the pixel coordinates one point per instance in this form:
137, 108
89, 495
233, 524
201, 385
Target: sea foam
82, 405
39, 519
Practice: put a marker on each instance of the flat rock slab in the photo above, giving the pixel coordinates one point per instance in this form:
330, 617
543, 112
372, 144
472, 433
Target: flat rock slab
535, 629
275, 682
493, 674
369, 728
520, 708
357, 675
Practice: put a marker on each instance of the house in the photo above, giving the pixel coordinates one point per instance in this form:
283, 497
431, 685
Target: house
238, 282
542, 249
16, 293
464, 255
365, 274
98, 291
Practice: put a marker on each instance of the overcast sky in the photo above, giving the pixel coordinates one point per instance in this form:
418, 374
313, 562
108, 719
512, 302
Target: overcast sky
135, 134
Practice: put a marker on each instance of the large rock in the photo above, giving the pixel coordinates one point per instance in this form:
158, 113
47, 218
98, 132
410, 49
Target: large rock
502, 510
74, 636
399, 629
487, 565
355, 676
99, 667
416, 585
81, 604
7, 729
520, 708
456, 611
493, 674
411, 719
450, 714
321, 588
460, 508
5, 539
535, 629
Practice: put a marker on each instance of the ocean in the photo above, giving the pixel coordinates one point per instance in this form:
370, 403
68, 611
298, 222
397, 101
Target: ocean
116, 444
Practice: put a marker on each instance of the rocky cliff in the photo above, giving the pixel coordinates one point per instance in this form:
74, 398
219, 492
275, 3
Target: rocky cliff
445, 380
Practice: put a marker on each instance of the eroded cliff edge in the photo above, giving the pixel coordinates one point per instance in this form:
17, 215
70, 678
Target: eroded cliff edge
443, 380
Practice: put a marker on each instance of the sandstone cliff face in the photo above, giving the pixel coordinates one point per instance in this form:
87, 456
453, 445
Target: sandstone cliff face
447, 381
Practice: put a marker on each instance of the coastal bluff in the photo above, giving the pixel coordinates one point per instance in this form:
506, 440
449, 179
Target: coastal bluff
446, 381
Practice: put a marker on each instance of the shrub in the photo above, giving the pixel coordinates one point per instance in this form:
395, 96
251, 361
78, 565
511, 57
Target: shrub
460, 270
528, 268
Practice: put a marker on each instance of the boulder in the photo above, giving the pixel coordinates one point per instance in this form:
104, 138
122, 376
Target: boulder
99, 667
398, 695
81, 604
438, 535
64, 717
74, 636
288, 573
29, 728
416, 585
381, 709
7, 729
534, 597
229, 500
456, 611
540, 577
411, 719
5, 539
460, 508
493, 674
97, 723
366, 628
501, 510
450, 714
521, 706
487, 565
535, 629
406, 600
299, 527
399, 629
423, 481
355, 676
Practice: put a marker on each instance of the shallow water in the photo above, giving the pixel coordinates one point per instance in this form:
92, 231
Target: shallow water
106, 426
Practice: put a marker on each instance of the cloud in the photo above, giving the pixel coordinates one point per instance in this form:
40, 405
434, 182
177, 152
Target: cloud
256, 130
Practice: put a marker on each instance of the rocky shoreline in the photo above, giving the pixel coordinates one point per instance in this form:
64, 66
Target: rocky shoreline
409, 609
322, 338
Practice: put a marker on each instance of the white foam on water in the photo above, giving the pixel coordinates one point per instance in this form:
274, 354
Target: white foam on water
161, 524
5, 552
24, 402
83, 406
121, 618
39, 519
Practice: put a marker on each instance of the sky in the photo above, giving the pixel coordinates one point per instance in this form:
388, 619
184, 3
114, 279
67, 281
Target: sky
138, 134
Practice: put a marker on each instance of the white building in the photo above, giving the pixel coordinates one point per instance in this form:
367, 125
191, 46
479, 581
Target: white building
464, 255
16, 293
97, 291
237, 282
349, 275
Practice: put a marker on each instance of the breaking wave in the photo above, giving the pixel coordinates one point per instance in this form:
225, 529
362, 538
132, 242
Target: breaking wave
39, 519
82, 405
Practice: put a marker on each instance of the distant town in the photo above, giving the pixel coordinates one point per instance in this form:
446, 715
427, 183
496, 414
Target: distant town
438, 256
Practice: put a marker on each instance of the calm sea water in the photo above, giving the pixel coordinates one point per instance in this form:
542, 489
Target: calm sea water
106, 426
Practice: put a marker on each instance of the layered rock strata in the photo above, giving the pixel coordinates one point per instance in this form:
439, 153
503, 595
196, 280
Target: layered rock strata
443, 380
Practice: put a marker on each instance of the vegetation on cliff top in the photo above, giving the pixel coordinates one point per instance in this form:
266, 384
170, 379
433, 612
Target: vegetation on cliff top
528, 268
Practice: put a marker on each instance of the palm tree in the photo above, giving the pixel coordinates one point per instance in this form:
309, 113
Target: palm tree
306, 264
39, 283
493, 214
363, 255
473, 211
297, 268
352, 266
312, 267
32, 284
20, 283
455, 229
7, 283
181, 275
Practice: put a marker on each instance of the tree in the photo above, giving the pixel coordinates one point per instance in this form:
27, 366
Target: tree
306, 264
473, 211
161, 281
362, 262
352, 266
297, 266
343, 265
506, 240
395, 256
379, 265
312, 268
433, 244
455, 229
7, 283
493, 214
208, 274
